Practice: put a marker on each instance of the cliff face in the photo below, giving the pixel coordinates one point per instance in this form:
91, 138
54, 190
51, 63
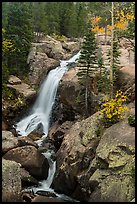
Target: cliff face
46, 55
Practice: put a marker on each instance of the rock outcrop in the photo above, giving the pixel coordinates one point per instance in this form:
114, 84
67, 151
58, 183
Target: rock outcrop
21, 96
95, 167
70, 95
8, 141
115, 157
75, 154
46, 55
40, 65
32, 160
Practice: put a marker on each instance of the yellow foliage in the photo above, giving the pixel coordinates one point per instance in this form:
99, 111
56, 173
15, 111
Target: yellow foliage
7, 45
114, 109
122, 14
95, 20
130, 17
101, 30
122, 24
109, 27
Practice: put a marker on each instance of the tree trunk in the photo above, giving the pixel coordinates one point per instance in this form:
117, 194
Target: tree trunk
86, 100
111, 59
105, 34
86, 94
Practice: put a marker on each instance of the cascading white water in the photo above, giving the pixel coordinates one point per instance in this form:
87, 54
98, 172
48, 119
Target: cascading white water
41, 110
40, 114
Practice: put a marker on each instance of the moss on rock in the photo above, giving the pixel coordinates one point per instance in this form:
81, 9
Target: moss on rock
11, 181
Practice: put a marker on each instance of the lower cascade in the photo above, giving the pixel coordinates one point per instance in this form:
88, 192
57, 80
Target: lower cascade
41, 113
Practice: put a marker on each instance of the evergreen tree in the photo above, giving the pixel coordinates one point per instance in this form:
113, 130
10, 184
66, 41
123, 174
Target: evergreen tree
88, 63
71, 20
19, 30
53, 18
39, 17
103, 82
81, 18
116, 62
68, 19
5, 11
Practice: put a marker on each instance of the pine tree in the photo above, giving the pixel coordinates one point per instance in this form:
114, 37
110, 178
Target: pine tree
116, 62
103, 82
53, 19
68, 19
81, 18
5, 11
39, 17
19, 30
88, 63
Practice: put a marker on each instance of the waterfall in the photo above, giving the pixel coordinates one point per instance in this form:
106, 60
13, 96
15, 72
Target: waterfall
40, 114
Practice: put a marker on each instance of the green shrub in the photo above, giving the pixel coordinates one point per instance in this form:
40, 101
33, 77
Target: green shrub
131, 120
99, 130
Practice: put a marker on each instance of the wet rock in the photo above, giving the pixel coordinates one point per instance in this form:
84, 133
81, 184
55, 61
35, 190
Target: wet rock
57, 133
31, 159
8, 141
46, 193
34, 135
27, 179
46, 199
27, 196
11, 181
25, 140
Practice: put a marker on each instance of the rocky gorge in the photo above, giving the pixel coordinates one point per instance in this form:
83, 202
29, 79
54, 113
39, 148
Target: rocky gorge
90, 167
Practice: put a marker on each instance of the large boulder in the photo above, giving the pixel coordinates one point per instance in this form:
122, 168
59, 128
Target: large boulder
56, 133
31, 159
25, 140
115, 157
27, 179
9, 141
11, 181
75, 154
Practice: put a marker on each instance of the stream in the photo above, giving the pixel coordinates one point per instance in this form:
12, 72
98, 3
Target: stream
40, 114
